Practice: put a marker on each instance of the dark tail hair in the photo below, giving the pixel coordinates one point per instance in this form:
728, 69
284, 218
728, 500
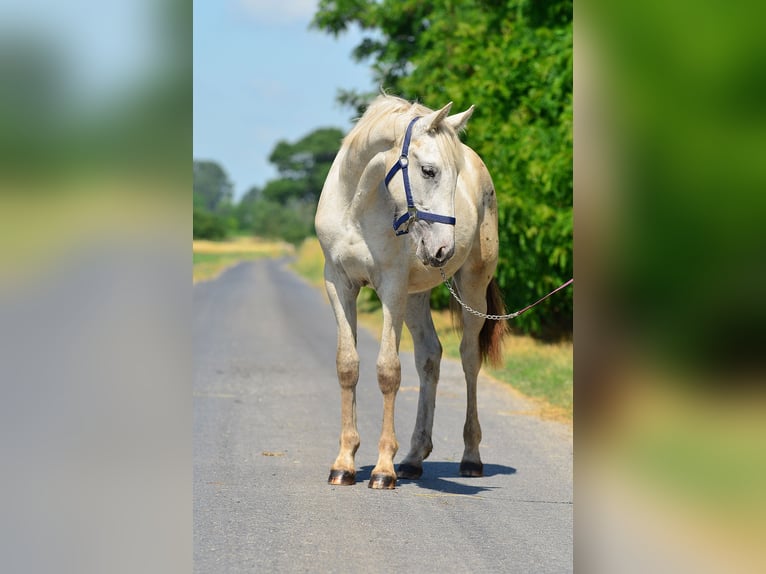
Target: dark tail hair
492, 332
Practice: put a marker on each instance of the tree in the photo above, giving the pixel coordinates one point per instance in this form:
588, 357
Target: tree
212, 189
303, 166
207, 225
285, 207
213, 217
513, 60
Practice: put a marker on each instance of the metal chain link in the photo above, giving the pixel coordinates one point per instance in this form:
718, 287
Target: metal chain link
470, 309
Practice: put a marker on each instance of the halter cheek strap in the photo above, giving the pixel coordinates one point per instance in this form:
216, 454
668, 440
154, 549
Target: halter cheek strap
413, 213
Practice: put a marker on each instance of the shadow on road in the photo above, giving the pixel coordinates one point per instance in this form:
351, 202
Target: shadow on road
436, 477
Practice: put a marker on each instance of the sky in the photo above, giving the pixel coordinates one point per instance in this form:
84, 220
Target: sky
103, 57
260, 76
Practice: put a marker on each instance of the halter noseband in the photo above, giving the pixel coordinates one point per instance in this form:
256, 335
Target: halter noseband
413, 213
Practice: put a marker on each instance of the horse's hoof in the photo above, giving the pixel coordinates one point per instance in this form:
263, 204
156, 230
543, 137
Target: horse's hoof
473, 469
409, 471
382, 481
342, 477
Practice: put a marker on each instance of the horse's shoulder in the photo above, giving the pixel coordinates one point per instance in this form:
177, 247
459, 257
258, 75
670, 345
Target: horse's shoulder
476, 173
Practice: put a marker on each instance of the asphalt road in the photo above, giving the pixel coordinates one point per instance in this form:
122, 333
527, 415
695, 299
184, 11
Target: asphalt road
266, 424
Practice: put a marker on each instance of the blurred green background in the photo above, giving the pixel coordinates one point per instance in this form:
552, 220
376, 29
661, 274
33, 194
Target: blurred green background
670, 365
93, 92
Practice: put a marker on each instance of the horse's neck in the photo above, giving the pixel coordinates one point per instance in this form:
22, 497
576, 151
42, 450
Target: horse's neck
364, 167
357, 161
364, 183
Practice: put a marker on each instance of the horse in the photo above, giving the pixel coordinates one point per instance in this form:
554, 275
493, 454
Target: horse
404, 201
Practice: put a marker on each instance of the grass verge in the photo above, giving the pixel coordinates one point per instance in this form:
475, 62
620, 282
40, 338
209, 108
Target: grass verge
540, 371
211, 258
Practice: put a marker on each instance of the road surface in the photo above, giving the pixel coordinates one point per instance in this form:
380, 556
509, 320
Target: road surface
266, 424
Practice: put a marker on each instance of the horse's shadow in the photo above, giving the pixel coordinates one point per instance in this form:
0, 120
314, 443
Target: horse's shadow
437, 475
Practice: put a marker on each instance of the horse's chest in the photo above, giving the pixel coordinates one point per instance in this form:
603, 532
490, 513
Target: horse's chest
355, 259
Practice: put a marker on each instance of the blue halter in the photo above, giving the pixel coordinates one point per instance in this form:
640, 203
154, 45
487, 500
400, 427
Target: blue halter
413, 213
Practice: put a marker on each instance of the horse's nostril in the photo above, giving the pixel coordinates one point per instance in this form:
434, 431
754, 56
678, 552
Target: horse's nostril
441, 256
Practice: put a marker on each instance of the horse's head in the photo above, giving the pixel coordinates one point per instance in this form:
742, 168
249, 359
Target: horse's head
430, 159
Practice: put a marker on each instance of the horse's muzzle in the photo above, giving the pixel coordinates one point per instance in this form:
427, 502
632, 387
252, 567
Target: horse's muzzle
442, 255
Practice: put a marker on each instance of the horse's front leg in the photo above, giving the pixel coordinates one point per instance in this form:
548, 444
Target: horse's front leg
389, 377
343, 300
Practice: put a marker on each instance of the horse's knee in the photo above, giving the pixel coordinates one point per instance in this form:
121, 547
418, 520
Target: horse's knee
431, 367
348, 369
389, 374
429, 343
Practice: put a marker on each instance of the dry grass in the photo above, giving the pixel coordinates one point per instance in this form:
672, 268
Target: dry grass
47, 225
211, 258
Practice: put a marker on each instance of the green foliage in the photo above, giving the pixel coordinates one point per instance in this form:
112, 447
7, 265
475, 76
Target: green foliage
513, 60
303, 166
212, 189
207, 225
214, 216
292, 222
285, 207
56, 128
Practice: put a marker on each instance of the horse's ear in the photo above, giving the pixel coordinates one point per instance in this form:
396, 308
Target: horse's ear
432, 120
458, 121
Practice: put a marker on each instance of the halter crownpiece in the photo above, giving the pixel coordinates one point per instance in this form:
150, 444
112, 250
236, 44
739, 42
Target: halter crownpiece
413, 213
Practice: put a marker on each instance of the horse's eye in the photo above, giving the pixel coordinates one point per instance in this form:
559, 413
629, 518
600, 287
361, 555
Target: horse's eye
428, 171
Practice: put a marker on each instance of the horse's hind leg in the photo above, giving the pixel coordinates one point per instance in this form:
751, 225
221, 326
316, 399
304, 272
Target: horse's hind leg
343, 300
473, 292
428, 352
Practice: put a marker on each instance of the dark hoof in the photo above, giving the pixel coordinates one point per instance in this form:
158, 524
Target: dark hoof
471, 469
382, 481
409, 471
342, 477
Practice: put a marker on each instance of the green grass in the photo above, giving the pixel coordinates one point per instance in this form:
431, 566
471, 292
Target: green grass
538, 370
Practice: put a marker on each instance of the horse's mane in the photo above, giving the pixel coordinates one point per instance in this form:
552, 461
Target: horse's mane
381, 110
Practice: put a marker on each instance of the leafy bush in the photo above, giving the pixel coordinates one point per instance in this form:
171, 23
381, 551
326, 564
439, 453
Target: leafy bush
292, 222
208, 225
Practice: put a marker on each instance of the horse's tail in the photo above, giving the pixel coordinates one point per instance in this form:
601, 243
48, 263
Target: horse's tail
492, 332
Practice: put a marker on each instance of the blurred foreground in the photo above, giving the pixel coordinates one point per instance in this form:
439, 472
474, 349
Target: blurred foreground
95, 415
670, 141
